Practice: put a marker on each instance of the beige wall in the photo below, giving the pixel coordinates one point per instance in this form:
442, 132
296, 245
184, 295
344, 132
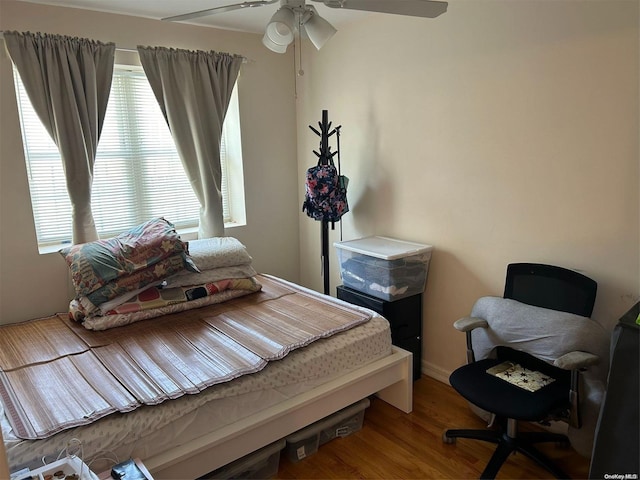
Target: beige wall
500, 132
35, 285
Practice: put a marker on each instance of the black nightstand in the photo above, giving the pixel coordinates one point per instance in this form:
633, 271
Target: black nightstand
404, 315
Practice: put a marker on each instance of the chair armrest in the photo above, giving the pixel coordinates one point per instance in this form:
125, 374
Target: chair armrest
467, 324
576, 360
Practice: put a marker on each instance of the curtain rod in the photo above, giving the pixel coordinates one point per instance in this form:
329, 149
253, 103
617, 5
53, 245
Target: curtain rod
123, 49
129, 50
135, 50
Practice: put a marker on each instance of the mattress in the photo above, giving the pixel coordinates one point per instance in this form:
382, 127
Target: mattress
151, 430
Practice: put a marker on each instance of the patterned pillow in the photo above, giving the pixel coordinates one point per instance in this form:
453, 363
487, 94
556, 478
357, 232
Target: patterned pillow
95, 264
137, 280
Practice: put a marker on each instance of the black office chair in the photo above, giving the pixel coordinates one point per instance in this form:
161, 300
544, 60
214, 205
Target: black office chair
535, 285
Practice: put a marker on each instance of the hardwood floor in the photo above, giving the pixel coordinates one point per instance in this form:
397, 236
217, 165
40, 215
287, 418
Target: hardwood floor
394, 445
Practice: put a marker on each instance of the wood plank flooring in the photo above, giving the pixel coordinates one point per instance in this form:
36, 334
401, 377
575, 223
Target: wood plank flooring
394, 445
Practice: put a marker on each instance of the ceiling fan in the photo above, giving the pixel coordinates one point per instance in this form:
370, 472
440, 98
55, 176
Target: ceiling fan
293, 15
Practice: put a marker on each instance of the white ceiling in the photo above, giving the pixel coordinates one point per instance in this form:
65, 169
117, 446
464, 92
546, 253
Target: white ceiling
247, 20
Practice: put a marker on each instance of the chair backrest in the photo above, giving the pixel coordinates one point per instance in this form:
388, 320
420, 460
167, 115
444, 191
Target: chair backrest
549, 286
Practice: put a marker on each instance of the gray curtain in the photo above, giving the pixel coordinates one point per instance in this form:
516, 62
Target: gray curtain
68, 81
193, 89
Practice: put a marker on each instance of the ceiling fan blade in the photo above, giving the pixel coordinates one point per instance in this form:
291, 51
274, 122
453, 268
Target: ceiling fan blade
224, 8
414, 8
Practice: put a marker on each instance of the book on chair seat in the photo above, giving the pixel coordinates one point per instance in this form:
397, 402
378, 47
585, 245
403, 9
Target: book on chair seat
516, 374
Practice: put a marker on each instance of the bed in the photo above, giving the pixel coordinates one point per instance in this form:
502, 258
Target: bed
194, 434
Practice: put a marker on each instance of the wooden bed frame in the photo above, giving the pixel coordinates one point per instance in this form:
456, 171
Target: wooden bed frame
391, 378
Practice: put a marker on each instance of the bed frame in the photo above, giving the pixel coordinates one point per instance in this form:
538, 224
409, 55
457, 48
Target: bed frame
391, 378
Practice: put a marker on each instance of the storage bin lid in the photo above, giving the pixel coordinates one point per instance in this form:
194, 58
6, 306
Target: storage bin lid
383, 247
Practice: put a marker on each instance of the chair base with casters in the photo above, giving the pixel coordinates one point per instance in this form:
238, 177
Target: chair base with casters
510, 441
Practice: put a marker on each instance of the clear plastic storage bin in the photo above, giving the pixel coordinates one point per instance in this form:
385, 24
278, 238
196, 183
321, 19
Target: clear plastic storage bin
384, 267
261, 464
306, 442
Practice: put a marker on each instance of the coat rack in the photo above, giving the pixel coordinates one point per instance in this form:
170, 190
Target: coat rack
324, 158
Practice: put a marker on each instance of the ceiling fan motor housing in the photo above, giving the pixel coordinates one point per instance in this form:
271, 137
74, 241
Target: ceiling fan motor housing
295, 5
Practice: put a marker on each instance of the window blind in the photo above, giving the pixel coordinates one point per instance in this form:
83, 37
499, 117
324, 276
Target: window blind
138, 173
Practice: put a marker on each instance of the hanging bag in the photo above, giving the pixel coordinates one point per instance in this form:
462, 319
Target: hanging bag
325, 192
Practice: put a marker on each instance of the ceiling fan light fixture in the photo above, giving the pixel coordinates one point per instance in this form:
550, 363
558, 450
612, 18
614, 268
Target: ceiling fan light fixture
274, 47
318, 29
280, 30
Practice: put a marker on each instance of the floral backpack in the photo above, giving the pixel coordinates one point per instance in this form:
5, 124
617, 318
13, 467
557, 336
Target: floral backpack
325, 192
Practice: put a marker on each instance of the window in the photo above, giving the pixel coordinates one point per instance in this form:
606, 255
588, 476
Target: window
138, 174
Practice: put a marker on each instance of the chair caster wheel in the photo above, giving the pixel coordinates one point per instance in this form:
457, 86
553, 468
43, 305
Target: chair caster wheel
446, 439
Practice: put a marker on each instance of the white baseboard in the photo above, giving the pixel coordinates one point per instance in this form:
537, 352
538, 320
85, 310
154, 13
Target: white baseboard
436, 372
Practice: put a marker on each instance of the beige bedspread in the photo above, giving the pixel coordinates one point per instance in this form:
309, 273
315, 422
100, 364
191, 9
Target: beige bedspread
55, 374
